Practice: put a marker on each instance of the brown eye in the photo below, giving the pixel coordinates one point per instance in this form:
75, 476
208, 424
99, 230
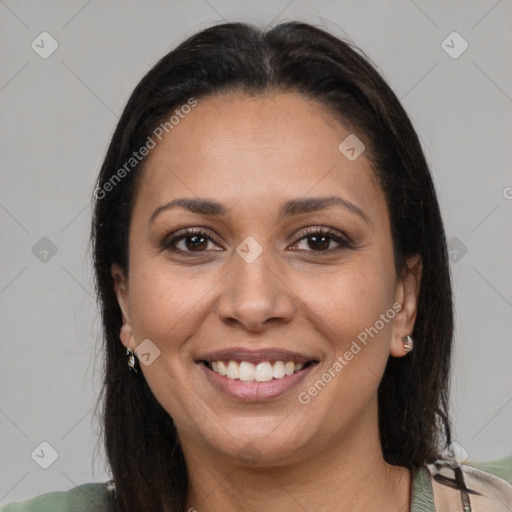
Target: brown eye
188, 241
320, 240
196, 242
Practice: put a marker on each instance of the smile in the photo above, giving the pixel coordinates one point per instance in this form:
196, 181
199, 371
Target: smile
247, 371
255, 382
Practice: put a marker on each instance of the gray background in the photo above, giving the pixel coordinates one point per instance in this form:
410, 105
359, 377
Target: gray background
58, 115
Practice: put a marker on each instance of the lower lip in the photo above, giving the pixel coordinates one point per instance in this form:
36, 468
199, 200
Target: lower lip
255, 391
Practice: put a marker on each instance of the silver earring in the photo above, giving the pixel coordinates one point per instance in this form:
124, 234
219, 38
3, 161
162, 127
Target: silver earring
408, 343
131, 360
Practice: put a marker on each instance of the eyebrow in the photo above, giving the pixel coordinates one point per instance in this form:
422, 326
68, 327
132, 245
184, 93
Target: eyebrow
298, 206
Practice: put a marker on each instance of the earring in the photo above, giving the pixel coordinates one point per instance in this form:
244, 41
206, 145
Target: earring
131, 360
408, 343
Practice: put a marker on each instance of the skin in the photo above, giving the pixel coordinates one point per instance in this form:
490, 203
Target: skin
252, 154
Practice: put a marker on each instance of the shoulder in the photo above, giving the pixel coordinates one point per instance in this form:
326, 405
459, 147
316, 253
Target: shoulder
91, 497
491, 494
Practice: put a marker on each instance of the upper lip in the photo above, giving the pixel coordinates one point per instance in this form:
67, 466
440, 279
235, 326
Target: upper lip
255, 356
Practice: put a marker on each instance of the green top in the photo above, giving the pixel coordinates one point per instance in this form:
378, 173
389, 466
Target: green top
91, 497
94, 497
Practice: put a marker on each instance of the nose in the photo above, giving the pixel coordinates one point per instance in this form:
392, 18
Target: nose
254, 295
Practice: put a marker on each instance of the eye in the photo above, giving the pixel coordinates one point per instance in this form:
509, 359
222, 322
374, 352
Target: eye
191, 240
320, 240
195, 240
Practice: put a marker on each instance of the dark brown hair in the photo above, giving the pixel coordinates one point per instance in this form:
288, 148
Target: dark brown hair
147, 463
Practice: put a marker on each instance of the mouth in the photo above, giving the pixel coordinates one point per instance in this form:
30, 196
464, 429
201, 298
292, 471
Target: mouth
251, 378
263, 371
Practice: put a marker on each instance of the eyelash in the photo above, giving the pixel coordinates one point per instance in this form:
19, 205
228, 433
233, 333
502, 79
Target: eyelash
169, 243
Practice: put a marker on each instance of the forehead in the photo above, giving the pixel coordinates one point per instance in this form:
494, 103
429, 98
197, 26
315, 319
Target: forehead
261, 149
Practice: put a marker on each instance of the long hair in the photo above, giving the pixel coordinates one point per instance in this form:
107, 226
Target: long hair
141, 442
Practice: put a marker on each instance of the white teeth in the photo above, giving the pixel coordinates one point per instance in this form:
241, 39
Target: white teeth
233, 372
262, 372
278, 372
222, 367
246, 370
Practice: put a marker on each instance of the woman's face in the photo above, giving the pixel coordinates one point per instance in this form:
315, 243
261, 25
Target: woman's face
273, 273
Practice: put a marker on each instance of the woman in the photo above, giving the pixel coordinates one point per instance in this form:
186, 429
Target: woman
273, 276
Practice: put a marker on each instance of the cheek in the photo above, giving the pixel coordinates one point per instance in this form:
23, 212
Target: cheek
165, 303
349, 300
168, 306
352, 309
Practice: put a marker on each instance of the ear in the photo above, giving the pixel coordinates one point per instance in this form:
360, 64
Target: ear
406, 294
121, 291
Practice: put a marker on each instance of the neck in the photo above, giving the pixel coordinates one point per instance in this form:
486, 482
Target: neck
345, 474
